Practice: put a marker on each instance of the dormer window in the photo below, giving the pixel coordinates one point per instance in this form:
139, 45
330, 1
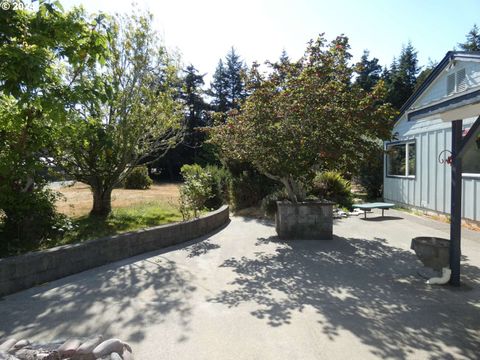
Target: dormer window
456, 82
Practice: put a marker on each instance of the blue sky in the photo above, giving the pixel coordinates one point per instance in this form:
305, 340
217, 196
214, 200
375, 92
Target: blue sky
203, 31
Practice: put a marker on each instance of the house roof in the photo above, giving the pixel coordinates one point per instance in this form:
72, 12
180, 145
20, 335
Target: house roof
449, 56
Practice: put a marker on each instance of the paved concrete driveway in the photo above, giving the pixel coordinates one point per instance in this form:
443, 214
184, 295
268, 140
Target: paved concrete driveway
243, 294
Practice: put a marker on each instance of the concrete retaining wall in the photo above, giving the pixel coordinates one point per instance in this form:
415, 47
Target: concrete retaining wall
24, 271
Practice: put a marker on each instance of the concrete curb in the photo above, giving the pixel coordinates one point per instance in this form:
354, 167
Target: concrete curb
24, 271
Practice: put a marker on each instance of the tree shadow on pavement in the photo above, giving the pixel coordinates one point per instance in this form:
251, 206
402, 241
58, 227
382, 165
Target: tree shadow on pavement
117, 300
121, 299
363, 286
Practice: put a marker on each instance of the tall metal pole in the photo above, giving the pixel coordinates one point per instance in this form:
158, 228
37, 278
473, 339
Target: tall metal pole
456, 204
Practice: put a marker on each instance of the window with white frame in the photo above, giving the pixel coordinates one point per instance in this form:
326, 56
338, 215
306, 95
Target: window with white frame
401, 159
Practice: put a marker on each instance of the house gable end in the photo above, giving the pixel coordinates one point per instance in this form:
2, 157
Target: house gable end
456, 79
456, 75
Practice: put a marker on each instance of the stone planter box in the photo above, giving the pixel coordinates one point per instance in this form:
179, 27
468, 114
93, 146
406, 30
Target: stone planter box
433, 252
307, 220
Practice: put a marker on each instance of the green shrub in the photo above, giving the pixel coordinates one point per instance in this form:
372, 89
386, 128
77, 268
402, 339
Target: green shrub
332, 186
220, 179
247, 186
195, 191
29, 220
371, 174
269, 202
138, 179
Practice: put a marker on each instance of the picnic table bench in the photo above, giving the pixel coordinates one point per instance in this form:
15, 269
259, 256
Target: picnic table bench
376, 205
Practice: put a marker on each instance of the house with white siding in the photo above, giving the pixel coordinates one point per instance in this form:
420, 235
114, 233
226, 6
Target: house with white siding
417, 171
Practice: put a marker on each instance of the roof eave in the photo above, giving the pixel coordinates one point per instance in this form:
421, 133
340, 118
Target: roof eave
449, 56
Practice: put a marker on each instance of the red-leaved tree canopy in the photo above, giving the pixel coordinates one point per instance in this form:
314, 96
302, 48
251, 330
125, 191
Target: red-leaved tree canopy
305, 116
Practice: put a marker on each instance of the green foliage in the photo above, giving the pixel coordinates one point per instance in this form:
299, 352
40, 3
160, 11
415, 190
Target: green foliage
197, 116
220, 180
30, 221
120, 220
126, 113
36, 48
332, 186
195, 191
472, 42
218, 88
425, 73
68, 231
192, 150
247, 186
228, 86
138, 179
269, 202
192, 94
370, 175
369, 72
401, 78
305, 116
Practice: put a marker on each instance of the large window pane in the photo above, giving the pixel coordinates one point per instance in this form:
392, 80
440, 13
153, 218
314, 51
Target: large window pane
399, 162
396, 159
412, 155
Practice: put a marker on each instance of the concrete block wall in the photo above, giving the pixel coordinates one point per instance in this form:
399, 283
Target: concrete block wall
306, 220
24, 271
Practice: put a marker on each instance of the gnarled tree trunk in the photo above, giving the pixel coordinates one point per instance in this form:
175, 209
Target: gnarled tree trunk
295, 191
102, 201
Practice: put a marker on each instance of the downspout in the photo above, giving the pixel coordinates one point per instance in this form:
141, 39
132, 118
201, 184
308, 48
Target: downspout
442, 280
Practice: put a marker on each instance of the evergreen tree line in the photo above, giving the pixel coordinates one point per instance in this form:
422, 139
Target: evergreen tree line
227, 91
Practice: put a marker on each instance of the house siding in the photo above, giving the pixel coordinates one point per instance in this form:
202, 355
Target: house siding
438, 89
430, 189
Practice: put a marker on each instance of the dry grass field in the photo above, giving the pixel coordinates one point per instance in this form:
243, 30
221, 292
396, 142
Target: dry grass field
77, 199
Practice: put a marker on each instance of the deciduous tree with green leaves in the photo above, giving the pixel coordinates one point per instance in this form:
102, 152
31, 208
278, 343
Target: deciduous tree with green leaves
125, 112
305, 116
35, 47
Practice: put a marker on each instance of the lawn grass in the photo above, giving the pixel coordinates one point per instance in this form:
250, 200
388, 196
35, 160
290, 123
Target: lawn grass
131, 210
77, 199
121, 220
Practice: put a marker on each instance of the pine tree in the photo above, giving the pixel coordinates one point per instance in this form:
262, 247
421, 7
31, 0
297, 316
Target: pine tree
284, 59
425, 72
196, 117
369, 71
197, 113
281, 65
236, 86
473, 40
192, 95
218, 88
402, 76
228, 87
408, 65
